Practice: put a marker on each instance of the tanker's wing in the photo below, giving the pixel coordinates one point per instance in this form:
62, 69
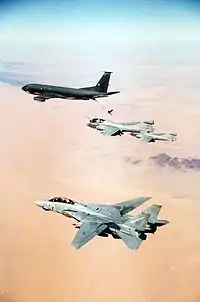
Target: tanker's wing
87, 231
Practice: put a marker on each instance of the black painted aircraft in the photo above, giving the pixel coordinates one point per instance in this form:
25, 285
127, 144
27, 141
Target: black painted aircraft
44, 92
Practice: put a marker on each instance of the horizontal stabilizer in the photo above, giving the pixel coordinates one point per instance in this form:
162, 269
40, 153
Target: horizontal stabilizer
161, 222
129, 205
131, 241
112, 92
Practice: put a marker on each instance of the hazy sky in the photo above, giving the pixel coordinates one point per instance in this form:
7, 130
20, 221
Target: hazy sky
83, 38
99, 22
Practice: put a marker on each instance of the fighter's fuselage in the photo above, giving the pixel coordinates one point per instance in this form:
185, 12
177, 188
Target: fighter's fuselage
79, 211
124, 127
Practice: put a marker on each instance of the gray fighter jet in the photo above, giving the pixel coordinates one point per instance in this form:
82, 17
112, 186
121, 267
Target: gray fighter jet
44, 92
152, 137
92, 219
118, 128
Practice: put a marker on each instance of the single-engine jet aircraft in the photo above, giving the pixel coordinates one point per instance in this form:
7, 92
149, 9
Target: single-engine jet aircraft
152, 137
118, 128
44, 92
92, 219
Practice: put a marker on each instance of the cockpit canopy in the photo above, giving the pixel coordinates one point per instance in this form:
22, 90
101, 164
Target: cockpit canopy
62, 200
97, 120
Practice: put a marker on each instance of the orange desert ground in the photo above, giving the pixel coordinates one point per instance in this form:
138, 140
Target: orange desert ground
47, 150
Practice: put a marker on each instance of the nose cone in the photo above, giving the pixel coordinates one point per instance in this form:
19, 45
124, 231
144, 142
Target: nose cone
39, 203
25, 88
91, 125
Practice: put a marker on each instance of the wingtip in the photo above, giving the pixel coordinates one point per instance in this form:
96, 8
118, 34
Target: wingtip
75, 245
147, 197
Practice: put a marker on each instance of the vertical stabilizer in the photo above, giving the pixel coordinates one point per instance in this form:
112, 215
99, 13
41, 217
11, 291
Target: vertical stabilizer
102, 85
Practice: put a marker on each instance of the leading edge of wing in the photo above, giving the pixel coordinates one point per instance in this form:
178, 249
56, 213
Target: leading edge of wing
87, 231
129, 205
109, 130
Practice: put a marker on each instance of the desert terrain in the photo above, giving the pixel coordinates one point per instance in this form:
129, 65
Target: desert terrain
47, 150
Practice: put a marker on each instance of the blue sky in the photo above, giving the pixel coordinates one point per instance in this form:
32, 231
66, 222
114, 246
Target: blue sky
99, 20
100, 34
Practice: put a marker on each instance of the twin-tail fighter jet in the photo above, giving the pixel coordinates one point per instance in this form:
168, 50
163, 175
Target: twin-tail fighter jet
44, 92
118, 128
104, 220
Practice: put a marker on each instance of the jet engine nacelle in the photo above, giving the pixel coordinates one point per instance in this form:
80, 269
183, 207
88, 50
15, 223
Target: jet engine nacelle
152, 227
142, 235
38, 99
103, 234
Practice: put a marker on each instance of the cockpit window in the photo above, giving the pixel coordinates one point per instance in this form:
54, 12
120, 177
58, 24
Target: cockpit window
94, 120
97, 120
62, 200
55, 199
70, 201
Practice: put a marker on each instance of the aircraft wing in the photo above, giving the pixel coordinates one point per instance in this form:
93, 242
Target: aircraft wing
109, 130
131, 241
53, 96
43, 97
145, 138
130, 205
87, 231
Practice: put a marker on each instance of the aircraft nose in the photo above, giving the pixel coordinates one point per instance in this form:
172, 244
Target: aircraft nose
91, 125
39, 203
25, 88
